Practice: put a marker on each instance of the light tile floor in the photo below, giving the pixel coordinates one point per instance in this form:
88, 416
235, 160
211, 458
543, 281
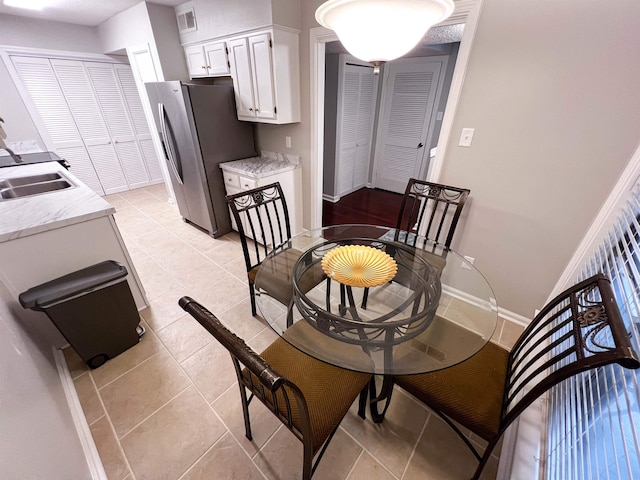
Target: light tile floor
169, 407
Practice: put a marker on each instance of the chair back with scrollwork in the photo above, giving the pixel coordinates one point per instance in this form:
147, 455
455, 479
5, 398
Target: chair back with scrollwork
574, 334
262, 219
579, 330
430, 210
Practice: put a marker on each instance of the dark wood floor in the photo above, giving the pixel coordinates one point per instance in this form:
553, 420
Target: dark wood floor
367, 205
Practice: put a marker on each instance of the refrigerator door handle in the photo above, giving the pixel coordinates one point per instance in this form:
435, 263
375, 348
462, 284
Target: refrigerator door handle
169, 147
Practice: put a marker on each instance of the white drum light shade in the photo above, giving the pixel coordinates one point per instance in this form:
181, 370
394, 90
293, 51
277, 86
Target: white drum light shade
380, 30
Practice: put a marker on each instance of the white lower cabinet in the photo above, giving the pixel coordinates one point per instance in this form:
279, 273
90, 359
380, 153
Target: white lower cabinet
290, 182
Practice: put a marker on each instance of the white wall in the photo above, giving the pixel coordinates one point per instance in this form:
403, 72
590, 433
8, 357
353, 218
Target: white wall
38, 439
18, 124
31, 32
34, 33
167, 40
216, 18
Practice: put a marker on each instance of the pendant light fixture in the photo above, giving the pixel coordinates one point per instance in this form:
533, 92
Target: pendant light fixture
381, 30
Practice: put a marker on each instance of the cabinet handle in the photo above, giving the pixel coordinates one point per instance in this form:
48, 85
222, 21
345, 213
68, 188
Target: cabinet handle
251, 109
204, 67
420, 145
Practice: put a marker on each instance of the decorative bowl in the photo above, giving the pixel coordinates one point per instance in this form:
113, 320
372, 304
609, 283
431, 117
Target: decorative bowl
359, 266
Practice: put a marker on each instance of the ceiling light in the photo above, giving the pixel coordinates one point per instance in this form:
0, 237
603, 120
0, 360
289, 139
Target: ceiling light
381, 30
27, 4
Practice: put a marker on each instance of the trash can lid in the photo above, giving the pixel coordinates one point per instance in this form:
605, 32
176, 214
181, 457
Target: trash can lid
70, 285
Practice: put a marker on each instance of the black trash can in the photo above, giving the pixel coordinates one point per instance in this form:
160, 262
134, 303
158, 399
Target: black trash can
93, 308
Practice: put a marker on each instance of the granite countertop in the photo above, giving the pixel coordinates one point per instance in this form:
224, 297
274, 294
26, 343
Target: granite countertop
20, 217
263, 166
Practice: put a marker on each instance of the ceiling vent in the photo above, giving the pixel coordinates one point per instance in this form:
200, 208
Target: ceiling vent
186, 18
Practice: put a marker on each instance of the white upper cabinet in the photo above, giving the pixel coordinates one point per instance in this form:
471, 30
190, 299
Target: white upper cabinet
207, 60
265, 70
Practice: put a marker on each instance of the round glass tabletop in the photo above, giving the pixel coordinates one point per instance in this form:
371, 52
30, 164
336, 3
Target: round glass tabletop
407, 307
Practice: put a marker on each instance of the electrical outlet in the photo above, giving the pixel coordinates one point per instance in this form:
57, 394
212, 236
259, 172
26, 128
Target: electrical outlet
466, 137
287, 142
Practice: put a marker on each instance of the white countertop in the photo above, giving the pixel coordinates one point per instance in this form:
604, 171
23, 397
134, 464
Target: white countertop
20, 217
259, 167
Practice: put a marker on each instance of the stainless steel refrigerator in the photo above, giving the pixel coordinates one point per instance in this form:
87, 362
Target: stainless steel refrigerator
199, 130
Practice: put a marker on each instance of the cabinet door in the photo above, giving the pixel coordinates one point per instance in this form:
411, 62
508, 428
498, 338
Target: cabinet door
114, 110
216, 57
39, 80
262, 75
196, 61
241, 75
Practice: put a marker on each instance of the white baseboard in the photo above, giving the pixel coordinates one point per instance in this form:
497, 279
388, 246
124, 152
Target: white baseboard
82, 427
329, 198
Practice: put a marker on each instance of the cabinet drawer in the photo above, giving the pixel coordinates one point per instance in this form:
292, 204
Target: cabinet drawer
247, 183
231, 179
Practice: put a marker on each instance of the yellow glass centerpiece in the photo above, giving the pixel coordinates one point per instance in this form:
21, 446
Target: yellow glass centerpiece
359, 266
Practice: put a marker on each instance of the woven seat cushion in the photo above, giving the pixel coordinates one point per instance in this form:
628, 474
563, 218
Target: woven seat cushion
469, 393
276, 275
329, 391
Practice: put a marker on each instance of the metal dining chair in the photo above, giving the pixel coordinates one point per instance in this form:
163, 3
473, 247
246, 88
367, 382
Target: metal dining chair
262, 220
430, 211
427, 220
308, 396
580, 330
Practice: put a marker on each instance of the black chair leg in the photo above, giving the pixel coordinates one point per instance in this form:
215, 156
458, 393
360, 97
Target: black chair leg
362, 402
252, 295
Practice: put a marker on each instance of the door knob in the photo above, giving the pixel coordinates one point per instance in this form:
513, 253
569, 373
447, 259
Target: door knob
420, 145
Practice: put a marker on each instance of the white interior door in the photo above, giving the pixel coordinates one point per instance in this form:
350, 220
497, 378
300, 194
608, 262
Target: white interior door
410, 94
357, 105
39, 79
86, 112
127, 83
114, 110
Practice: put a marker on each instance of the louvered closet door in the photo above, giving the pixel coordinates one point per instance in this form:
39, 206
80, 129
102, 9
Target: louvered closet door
129, 90
40, 81
411, 92
88, 117
356, 128
364, 126
113, 108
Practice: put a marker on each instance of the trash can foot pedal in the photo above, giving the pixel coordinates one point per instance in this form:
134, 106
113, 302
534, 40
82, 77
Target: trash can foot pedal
141, 331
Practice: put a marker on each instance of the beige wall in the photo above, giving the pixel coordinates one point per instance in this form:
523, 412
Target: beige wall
552, 92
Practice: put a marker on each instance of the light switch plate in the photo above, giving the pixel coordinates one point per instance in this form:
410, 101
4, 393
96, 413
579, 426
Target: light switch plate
287, 141
466, 137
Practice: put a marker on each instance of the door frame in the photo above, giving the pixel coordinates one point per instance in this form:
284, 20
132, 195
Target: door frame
385, 97
467, 12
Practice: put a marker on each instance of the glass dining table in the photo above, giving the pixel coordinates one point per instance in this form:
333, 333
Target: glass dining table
370, 299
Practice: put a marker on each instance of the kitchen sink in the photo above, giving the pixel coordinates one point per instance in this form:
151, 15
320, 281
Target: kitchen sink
20, 187
18, 181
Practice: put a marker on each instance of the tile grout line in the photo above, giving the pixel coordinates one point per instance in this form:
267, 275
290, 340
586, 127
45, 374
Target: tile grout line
113, 430
415, 447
